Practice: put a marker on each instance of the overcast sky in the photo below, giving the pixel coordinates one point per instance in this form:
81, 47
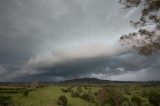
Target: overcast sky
52, 40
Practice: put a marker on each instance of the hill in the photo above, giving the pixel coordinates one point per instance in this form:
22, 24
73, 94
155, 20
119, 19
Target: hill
85, 81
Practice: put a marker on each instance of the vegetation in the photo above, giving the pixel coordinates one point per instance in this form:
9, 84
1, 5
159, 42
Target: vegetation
113, 94
5, 100
102, 97
136, 101
62, 101
154, 98
146, 41
25, 93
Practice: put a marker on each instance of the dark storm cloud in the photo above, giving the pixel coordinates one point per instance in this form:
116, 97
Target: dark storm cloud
32, 32
125, 66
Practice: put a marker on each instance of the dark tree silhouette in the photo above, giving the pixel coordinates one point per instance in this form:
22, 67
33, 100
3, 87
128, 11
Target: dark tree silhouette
62, 101
146, 41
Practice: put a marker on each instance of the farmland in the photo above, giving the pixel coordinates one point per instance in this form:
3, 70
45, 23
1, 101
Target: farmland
114, 94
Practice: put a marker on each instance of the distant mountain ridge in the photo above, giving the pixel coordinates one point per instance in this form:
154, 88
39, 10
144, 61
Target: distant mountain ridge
85, 80
100, 81
82, 81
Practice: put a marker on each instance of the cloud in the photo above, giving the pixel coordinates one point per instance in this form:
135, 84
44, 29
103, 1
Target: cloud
142, 75
92, 60
5, 73
70, 55
2, 70
139, 75
120, 69
60, 39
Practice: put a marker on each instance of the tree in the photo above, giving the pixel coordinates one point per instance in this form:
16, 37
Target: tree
102, 97
62, 100
35, 84
116, 97
146, 41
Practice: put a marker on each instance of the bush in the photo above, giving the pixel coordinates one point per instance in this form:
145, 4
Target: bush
115, 98
62, 100
88, 97
154, 98
35, 84
79, 89
5, 100
75, 94
125, 101
136, 100
66, 90
102, 97
127, 91
25, 93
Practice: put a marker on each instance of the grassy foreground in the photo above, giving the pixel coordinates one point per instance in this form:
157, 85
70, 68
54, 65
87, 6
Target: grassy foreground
82, 95
47, 97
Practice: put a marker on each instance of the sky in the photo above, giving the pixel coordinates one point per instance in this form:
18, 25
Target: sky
54, 40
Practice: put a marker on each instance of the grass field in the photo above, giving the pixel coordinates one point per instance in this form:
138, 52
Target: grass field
47, 96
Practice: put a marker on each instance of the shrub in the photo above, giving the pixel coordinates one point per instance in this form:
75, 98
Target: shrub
35, 84
116, 97
75, 94
5, 100
144, 93
66, 90
62, 100
136, 100
25, 93
79, 89
154, 98
88, 97
126, 101
95, 93
102, 97
127, 91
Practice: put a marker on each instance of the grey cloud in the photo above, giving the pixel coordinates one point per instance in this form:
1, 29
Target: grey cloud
70, 57
141, 75
111, 67
2, 70
35, 37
